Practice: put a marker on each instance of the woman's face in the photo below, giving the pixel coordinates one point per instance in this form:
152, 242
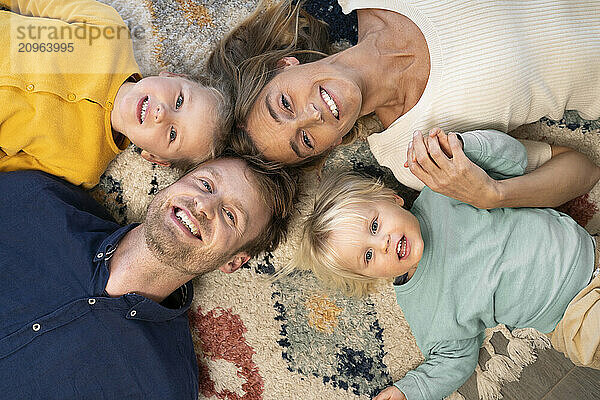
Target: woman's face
303, 111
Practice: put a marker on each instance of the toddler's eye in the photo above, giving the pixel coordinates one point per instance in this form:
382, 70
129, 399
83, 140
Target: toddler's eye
179, 102
306, 140
286, 103
374, 226
172, 135
207, 186
368, 255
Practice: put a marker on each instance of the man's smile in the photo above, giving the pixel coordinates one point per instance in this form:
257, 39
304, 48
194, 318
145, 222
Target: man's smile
186, 222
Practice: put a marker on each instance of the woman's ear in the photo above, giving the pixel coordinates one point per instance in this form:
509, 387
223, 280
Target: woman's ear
287, 62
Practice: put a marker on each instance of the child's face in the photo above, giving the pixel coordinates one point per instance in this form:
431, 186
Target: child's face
168, 116
387, 244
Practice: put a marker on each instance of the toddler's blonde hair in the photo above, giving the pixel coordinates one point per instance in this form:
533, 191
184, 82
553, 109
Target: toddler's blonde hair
339, 203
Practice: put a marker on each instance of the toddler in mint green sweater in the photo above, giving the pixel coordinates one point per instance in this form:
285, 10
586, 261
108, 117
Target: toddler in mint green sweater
458, 269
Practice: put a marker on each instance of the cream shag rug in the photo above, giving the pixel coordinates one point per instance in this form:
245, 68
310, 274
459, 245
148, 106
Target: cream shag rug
292, 339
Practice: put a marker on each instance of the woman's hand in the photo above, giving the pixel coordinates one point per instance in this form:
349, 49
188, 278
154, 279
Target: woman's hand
439, 162
390, 393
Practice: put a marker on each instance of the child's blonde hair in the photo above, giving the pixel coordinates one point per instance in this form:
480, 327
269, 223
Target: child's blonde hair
339, 203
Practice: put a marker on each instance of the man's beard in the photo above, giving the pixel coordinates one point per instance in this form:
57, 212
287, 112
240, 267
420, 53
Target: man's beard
163, 243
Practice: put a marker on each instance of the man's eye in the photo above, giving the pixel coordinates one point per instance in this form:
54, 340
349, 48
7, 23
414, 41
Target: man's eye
207, 185
368, 255
374, 226
172, 135
229, 215
306, 140
286, 103
179, 102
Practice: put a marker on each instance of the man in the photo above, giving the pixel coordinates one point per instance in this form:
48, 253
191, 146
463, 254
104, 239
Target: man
89, 309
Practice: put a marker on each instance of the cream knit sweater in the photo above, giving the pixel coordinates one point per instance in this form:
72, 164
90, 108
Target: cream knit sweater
496, 65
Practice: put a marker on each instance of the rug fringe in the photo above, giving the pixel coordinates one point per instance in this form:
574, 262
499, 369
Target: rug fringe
488, 389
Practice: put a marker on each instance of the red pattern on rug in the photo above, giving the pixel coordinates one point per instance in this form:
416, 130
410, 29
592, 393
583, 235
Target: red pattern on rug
581, 209
221, 336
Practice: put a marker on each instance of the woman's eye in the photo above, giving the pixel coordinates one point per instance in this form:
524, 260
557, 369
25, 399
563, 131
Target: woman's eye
229, 215
179, 102
286, 103
306, 140
206, 185
374, 226
172, 135
368, 255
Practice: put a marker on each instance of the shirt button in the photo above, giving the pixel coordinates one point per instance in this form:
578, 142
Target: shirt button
29, 87
36, 327
91, 302
109, 105
71, 96
132, 313
100, 255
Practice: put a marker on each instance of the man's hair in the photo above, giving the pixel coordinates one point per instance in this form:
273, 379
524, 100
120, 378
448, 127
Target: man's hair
222, 120
339, 204
277, 186
247, 59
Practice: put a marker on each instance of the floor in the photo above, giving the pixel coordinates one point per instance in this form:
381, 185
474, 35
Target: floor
551, 377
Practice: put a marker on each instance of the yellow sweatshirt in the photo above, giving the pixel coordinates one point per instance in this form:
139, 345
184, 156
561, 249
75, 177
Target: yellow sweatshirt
56, 99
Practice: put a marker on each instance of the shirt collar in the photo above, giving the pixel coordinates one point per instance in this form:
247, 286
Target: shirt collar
139, 307
144, 309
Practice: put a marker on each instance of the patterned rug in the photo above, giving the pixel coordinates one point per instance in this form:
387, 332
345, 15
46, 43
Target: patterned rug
292, 339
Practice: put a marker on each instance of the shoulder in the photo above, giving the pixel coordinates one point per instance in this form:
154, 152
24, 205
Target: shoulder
36, 192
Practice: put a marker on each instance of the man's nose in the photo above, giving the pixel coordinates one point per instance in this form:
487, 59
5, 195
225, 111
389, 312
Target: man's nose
206, 205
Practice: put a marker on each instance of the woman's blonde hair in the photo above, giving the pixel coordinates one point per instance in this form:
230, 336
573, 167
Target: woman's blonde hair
247, 59
339, 204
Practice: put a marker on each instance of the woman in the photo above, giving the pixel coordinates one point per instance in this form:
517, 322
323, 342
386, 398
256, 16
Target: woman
457, 66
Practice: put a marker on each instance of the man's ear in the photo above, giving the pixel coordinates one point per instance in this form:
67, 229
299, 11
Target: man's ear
235, 263
153, 159
287, 62
399, 200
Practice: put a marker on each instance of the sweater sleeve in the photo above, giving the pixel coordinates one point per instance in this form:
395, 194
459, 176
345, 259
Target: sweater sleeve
71, 11
448, 365
499, 154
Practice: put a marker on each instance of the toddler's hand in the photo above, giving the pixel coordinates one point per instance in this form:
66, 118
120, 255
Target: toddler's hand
390, 393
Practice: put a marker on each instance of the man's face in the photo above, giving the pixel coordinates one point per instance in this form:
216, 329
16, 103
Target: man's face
199, 223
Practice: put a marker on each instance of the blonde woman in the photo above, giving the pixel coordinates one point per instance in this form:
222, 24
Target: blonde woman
418, 65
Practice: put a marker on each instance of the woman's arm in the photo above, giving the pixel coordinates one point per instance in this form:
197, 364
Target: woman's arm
566, 175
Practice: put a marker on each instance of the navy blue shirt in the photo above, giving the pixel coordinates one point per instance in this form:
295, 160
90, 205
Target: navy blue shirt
61, 336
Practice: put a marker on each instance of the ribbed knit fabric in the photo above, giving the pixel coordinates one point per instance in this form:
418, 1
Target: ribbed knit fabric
495, 65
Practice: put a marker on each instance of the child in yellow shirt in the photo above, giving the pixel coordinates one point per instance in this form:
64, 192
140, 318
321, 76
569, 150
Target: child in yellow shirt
72, 96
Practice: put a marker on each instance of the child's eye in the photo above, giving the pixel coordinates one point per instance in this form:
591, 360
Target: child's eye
374, 226
172, 135
306, 140
368, 255
179, 102
286, 103
229, 215
206, 185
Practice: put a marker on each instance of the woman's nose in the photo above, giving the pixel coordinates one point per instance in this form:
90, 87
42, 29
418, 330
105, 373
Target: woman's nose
159, 113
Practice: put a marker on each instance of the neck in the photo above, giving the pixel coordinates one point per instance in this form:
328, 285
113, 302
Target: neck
134, 269
115, 116
391, 43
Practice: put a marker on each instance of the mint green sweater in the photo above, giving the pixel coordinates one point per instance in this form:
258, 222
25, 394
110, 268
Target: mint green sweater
480, 268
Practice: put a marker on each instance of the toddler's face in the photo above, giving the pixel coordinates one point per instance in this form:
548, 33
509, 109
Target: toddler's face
168, 116
385, 244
